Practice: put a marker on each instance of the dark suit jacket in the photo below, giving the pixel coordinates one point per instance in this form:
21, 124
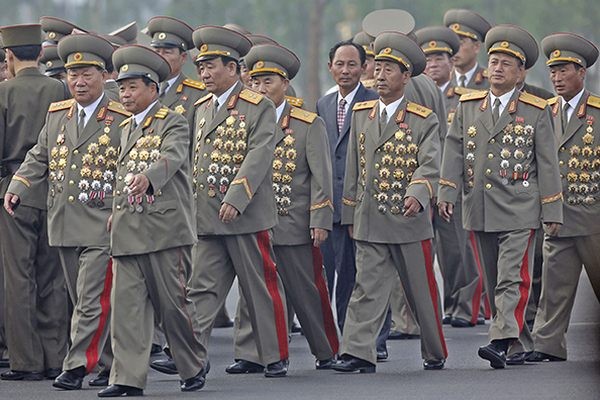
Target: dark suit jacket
327, 109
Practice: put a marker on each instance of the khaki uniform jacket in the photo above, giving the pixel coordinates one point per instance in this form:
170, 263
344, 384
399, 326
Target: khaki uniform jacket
579, 161
302, 154
422, 90
382, 170
111, 89
496, 198
164, 219
451, 95
24, 100
79, 170
182, 96
233, 163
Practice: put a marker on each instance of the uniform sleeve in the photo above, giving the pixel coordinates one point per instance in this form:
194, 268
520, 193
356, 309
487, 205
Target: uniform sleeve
423, 183
349, 200
258, 161
34, 169
549, 182
451, 174
173, 151
321, 187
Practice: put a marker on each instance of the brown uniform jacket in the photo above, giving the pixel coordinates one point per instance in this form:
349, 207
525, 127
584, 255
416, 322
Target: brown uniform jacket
79, 169
383, 169
302, 156
164, 217
495, 198
233, 155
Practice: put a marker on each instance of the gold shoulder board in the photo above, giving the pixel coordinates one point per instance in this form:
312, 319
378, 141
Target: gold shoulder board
363, 105
194, 84
459, 90
303, 115
594, 101
535, 101
251, 96
118, 108
203, 99
476, 95
162, 113
125, 122
418, 109
295, 101
61, 105
553, 100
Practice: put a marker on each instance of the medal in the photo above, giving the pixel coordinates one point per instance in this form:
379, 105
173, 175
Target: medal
526, 184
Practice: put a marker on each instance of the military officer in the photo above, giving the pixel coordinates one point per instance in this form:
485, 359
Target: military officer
391, 173
53, 66
126, 34
36, 310
233, 153
471, 29
303, 191
463, 283
77, 153
172, 39
56, 28
151, 231
366, 41
510, 183
575, 111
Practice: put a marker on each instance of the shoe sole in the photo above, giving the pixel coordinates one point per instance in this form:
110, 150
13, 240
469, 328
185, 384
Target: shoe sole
94, 384
167, 371
275, 375
364, 370
491, 357
65, 387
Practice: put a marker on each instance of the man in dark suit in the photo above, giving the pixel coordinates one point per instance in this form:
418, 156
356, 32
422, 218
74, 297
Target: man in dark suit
346, 65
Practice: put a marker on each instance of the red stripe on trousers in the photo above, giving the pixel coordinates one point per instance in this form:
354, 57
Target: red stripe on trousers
524, 285
271, 282
91, 354
330, 330
433, 293
476, 301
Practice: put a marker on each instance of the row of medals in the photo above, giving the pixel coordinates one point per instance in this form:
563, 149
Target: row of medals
583, 178
98, 167
517, 141
284, 165
395, 170
145, 152
229, 150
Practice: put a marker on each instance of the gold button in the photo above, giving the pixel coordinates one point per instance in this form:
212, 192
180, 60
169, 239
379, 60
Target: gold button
490, 156
118, 207
561, 176
73, 166
71, 183
75, 151
159, 193
205, 155
201, 186
122, 163
375, 181
488, 186
378, 150
492, 140
488, 171
207, 140
562, 149
120, 178
71, 199
118, 192
376, 166
201, 170
561, 163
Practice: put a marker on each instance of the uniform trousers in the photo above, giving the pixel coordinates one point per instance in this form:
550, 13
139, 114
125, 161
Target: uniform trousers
377, 265
563, 258
218, 259
146, 285
35, 296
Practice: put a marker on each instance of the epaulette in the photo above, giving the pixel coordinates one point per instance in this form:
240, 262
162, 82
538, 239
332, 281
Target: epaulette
194, 84
363, 105
459, 90
593, 101
61, 105
125, 122
418, 109
203, 99
162, 113
118, 108
303, 115
251, 96
369, 83
553, 100
295, 101
477, 95
535, 101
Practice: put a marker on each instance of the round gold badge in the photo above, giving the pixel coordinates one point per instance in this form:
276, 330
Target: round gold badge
455, 27
49, 64
259, 64
162, 36
51, 35
433, 43
77, 56
387, 50
556, 53
125, 68
504, 44
204, 47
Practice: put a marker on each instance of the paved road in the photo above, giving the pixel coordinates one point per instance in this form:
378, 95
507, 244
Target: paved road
466, 376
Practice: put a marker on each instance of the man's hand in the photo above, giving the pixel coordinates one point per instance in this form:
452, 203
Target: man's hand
551, 228
109, 223
11, 201
228, 213
139, 185
351, 231
445, 210
411, 206
318, 236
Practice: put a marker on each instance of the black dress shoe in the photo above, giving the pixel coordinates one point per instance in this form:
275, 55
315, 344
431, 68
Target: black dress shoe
195, 383
517, 358
382, 355
155, 349
277, 369
396, 335
70, 380
325, 364
224, 323
458, 322
446, 320
480, 321
120, 390
352, 364
430, 365
497, 358
101, 379
244, 367
296, 328
166, 366
538, 356
52, 373
21, 376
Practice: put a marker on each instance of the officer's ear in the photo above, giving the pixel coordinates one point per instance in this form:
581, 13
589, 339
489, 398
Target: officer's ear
476, 44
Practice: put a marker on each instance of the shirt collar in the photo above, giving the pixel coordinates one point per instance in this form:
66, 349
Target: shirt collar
444, 87
279, 110
349, 97
391, 108
222, 99
468, 75
89, 109
574, 101
503, 99
171, 82
139, 118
